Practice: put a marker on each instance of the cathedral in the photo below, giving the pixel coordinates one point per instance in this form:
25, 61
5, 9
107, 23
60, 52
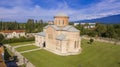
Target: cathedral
59, 37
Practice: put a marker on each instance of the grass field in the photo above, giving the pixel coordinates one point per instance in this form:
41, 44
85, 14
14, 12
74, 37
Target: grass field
96, 55
24, 48
21, 43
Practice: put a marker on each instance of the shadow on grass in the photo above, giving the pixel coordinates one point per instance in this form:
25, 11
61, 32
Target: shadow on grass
79, 65
119, 63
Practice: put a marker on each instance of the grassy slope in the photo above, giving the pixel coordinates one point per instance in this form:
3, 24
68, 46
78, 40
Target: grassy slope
24, 48
96, 55
21, 43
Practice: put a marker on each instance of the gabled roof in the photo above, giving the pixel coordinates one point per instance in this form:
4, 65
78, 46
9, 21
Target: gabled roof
46, 26
66, 28
41, 34
70, 29
73, 29
53, 26
61, 37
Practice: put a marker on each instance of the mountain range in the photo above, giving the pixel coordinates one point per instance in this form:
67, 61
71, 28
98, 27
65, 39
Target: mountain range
113, 19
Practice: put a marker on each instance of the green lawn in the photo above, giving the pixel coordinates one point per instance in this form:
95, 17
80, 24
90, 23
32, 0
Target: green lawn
24, 48
21, 43
96, 55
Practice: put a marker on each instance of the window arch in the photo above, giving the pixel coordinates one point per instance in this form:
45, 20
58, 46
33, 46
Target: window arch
63, 22
75, 44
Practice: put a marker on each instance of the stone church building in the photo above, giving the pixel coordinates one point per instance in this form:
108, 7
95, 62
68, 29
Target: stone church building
59, 37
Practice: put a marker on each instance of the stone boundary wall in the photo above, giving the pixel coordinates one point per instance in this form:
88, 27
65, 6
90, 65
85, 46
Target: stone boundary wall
22, 59
107, 40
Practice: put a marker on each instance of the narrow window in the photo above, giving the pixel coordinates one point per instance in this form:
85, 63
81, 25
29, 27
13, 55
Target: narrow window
63, 22
75, 45
59, 22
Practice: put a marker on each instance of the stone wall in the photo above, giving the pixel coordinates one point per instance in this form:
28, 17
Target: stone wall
22, 59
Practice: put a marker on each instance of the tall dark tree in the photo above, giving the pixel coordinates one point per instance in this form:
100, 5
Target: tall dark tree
101, 29
30, 26
110, 31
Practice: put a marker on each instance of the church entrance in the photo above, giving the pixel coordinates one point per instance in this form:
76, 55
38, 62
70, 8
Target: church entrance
44, 45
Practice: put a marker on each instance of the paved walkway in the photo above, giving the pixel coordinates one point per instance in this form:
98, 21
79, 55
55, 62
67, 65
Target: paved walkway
22, 45
30, 50
26, 50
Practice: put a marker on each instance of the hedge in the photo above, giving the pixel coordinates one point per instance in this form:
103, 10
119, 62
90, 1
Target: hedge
15, 40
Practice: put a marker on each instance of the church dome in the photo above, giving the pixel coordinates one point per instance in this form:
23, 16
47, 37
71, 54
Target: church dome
62, 14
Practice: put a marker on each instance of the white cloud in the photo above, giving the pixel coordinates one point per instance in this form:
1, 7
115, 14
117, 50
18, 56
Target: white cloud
12, 3
18, 12
101, 9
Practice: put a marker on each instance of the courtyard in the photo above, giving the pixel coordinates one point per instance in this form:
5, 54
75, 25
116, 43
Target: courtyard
98, 54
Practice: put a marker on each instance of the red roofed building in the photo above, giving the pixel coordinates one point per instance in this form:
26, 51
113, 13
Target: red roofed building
13, 33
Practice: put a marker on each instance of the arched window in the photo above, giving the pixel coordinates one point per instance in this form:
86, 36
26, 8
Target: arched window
63, 22
59, 22
75, 45
55, 21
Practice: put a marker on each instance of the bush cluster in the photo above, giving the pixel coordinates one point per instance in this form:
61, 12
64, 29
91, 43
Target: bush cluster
15, 40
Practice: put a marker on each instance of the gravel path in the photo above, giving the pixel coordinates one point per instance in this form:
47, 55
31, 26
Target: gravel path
22, 45
30, 50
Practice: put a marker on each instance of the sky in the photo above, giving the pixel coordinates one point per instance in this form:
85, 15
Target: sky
22, 10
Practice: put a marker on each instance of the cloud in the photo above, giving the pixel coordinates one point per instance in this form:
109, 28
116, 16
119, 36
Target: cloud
101, 9
12, 3
21, 12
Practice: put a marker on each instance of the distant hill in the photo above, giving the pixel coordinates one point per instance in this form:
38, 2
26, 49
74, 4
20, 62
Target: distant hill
114, 19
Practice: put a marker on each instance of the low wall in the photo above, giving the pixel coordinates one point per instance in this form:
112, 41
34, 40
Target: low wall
22, 59
113, 41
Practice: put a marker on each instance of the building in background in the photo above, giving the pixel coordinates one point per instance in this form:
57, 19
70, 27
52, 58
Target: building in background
86, 25
13, 33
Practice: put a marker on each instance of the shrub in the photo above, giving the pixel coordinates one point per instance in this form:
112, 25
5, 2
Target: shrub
15, 40
91, 41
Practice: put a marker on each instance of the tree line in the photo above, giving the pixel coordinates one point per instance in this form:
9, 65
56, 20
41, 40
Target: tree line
101, 30
32, 26
11, 26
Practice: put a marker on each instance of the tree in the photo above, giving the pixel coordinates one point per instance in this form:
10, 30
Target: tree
101, 29
81, 28
110, 31
91, 40
1, 37
92, 33
30, 27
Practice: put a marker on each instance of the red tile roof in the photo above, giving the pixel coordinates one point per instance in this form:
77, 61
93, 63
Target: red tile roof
11, 31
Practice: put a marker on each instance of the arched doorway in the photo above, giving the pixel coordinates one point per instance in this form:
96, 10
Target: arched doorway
44, 45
